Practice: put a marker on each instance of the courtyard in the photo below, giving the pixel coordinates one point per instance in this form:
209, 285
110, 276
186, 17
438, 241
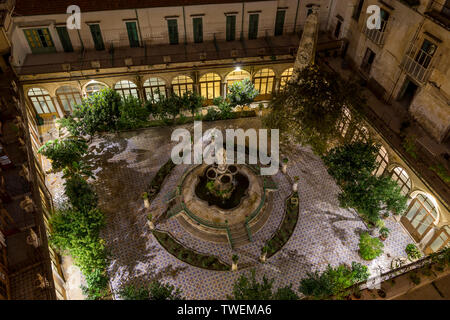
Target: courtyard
125, 163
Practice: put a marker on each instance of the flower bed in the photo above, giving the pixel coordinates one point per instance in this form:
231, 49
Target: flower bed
189, 256
287, 226
156, 183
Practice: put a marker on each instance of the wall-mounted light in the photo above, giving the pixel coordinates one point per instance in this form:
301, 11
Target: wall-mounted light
238, 68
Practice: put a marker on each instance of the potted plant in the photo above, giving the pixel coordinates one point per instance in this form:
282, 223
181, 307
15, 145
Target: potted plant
356, 292
384, 233
413, 252
381, 293
385, 215
235, 259
146, 200
284, 166
264, 251
150, 223
295, 185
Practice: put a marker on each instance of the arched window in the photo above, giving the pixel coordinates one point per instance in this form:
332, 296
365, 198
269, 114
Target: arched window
285, 77
361, 134
182, 84
210, 86
93, 88
419, 217
41, 100
264, 80
344, 122
68, 97
155, 89
236, 76
382, 161
126, 88
440, 240
402, 178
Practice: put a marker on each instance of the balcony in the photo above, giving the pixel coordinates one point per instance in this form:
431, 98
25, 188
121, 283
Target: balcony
418, 64
377, 36
439, 11
159, 54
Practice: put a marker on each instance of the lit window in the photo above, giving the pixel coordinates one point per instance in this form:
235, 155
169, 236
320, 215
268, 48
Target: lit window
344, 122
440, 239
94, 88
419, 217
126, 88
382, 161
402, 178
264, 80
68, 97
285, 77
210, 86
361, 134
182, 84
41, 101
236, 76
155, 89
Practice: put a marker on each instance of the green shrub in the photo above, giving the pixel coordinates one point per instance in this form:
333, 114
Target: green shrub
212, 114
133, 114
412, 251
81, 195
285, 293
192, 101
316, 285
369, 247
130, 292
97, 285
360, 272
224, 107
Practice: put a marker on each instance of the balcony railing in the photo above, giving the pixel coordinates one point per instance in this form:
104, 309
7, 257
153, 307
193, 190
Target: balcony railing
418, 64
377, 36
440, 12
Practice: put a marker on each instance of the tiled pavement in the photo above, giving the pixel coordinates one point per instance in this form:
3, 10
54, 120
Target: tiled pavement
325, 233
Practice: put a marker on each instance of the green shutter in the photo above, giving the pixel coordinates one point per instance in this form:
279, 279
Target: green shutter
198, 30
64, 38
253, 26
132, 34
97, 36
231, 28
39, 40
173, 31
279, 22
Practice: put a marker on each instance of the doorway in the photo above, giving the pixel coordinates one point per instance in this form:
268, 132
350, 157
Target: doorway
408, 92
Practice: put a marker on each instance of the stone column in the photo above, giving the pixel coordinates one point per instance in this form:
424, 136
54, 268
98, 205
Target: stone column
307, 47
224, 89
276, 89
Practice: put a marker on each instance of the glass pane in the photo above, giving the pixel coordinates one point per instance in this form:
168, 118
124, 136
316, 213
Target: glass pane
425, 224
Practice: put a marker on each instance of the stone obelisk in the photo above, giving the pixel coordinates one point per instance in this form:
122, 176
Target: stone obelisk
307, 47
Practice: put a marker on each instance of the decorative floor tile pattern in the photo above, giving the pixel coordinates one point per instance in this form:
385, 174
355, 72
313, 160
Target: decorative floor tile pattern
325, 233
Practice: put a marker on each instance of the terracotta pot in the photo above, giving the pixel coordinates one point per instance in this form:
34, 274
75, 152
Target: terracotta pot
284, 168
234, 266
146, 203
151, 225
383, 238
295, 187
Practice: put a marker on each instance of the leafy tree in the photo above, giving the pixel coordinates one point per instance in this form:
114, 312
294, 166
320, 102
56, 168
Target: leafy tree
192, 101
98, 113
307, 111
133, 114
249, 289
369, 247
66, 155
242, 93
81, 195
351, 165
348, 162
